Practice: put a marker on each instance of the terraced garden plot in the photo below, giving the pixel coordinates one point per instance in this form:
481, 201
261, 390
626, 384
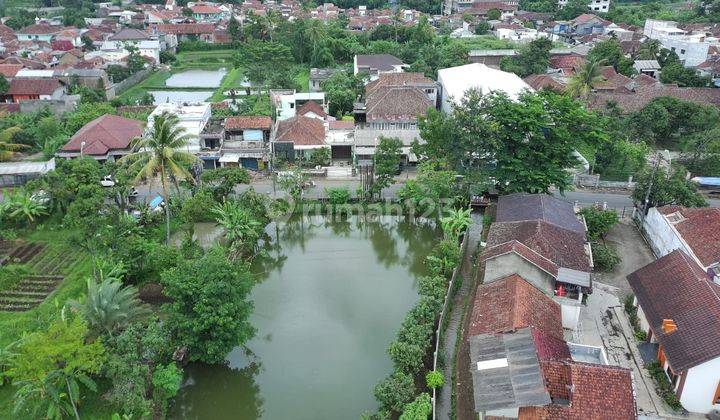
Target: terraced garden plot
48, 265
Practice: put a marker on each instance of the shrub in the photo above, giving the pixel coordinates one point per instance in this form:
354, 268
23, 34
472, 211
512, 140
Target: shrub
641, 335
598, 221
419, 409
434, 379
196, 208
393, 392
664, 386
407, 356
605, 257
338, 196
12, 274
432, 286
444, 258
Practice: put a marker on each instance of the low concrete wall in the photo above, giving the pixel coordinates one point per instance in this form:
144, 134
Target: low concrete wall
594, 181
56, 106
131, 81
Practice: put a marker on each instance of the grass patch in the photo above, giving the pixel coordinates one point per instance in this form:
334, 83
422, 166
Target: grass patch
303, 79
232, 80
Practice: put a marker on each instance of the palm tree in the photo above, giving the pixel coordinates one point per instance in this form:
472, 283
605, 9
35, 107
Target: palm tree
158, 154
456, 222
7, 148
584, 80
20, 205
109, 306
241, 228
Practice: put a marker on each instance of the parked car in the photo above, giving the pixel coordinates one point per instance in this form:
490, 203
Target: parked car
107, 181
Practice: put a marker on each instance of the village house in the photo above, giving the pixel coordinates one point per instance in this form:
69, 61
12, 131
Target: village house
246, 142
287, 101
376, 64
692, 49
180, 32
678, 306
107, 137
480, 9
318, 76
205, 12
391, 107
297, 137
39, 32
15, 174
41, 88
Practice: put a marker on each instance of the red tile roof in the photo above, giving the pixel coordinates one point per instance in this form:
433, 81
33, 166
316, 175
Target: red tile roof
700, 229
342, 125
301, 131
550, 347
588, 17
313, 107
592, 392
523, 251
512, 303
40, 29
246, 123
567, 61
205, 9
33, 86
544, 81
675, 287
186, 28
104, 134
634, 101
562, 246
10, 70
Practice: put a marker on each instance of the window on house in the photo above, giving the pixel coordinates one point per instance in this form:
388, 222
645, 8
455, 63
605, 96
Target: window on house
682, 51
672, 49
716, 398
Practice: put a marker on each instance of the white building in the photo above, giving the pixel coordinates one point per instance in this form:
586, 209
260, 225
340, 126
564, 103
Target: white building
602, 6
692, 49
521, 35
115, 51
456, 81
287, 102
192, 118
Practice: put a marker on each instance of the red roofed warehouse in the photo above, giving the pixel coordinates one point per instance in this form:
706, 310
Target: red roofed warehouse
105, 137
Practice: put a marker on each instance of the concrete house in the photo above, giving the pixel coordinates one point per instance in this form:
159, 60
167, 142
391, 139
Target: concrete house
191, 117
246, 142
297, 137
679, 308
456, 81
377, 64
41, 88
38, 32
541, 238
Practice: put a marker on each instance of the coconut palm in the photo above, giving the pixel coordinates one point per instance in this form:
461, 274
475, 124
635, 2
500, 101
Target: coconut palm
158, 154
585, 79
9, 149
109, 306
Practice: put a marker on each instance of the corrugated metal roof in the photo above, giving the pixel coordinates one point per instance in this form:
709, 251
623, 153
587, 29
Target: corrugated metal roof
519, 384
570, 276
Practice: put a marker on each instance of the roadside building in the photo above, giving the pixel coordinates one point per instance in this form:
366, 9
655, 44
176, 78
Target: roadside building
15, 174
191, 117
32, 88
297, 137
246, 142
679, 307
376, 64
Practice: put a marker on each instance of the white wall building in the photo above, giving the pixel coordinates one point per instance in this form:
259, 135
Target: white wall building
456, 81
522, 35
287, 104
692, 49
602, 6
192, 118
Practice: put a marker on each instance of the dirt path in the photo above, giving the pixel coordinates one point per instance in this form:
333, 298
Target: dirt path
467, 271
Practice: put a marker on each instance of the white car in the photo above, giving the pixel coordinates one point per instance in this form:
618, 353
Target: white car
107, 181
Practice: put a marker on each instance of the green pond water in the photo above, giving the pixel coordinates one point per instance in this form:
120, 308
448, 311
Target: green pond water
330, 297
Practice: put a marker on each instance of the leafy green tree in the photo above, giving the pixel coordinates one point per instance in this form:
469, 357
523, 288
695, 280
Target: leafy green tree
387, 162
665, 190
395, 391
341, 90
234, 30
419, 409
135, 358
293, 182
482, 28
525, 145
493, 14
605, 257
260, 60
571, 10
676, 73
4, 84
210, 308
621, 158
109, 306
583, 82
434, 379
84, 113
666, 121
598, 221
532, 58
8, 149
159, 154
433, 186
50, 366
649, 50
611, 53
224, 180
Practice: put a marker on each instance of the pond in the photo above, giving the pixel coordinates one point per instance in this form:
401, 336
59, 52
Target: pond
190, 96
331, 296
196, 78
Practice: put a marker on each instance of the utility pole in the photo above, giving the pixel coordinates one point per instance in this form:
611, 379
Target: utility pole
650, 184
